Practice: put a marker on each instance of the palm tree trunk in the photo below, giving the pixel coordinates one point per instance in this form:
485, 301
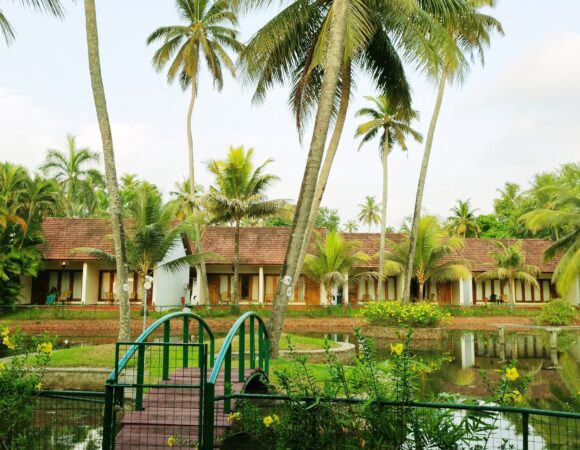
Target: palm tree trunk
386, 150
332, 68
190, 141
235, 290
421, 187
327, 165
421, 291
110, 170
512, 301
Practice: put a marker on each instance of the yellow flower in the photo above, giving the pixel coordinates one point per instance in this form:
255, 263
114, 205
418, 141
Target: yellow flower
235, 416
276, 418
5, 331
268, 421
397, 349
170, 441
38, 387
2, 366
517, 396
511, 373
45, 347
8, 343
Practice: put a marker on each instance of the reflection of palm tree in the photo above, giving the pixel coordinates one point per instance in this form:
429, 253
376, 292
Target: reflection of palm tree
369, 212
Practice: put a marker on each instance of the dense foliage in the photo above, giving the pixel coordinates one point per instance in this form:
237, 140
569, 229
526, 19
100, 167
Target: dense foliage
395, 314
558, 312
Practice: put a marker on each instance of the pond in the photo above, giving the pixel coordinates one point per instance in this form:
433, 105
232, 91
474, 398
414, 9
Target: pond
459, 359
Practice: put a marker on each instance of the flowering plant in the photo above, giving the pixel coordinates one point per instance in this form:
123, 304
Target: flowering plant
396, 314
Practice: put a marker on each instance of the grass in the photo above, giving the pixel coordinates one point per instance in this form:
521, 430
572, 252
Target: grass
104, 355
493, 311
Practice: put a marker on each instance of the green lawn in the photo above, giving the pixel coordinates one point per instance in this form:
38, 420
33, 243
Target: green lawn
493, 311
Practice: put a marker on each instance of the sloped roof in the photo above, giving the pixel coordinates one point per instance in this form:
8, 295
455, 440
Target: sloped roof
62, 235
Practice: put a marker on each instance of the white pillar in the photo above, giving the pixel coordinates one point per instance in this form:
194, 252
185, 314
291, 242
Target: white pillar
84, 284
198, 291
345, 289
322, 294
261, 285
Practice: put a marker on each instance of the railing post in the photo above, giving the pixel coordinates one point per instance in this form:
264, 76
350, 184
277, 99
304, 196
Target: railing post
526, 430
207, 438
109, 418
185, 341
166, 339
211, 352
252, 344
267, 356
242, 353
260, 345
228, 378
140, 376
199, 341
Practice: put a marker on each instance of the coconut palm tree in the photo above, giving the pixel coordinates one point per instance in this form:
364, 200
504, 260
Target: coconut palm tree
351, 226
370, 212
392, 121
331, 261
115, 211
463, 221
434, 261
153, 234
53, 7
471, 31
71, 169
208, 33
565, 216
511, 266
239, 194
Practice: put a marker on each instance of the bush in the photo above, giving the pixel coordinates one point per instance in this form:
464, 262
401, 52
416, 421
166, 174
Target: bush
557, 312
397, 314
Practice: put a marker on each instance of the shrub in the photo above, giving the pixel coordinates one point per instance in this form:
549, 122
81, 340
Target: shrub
557, 312
397, 314
20, 384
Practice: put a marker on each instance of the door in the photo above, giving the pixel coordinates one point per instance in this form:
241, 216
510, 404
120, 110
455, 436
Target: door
39, 289
444, 293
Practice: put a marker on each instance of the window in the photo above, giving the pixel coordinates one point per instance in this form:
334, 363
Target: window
68, 283
244, 287
108, 286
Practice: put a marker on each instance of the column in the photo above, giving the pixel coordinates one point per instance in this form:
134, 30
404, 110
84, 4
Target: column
261, 285
322, 294
345, 290
198, 291
84, 284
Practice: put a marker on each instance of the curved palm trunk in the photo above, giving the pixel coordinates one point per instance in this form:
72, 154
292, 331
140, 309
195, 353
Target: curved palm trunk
235, 287
202, 276
307, 190
327, 165
512, 299
421, 187
386, 150
110, 169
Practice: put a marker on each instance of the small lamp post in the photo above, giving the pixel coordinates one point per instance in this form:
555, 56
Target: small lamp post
147, 286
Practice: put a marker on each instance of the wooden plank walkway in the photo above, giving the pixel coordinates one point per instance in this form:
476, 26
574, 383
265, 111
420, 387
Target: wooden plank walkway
169, 411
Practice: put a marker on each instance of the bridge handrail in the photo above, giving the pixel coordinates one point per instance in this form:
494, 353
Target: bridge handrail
113, 376
239, 329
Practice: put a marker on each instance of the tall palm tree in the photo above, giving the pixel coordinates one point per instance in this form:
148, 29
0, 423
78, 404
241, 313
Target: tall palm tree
110, 169
463, 221
239, 194
434, 261
53, 7
564, 215
511, 266
392, 120
471, 31
71, 169
332, 260
351, 226
369, 212
208, 32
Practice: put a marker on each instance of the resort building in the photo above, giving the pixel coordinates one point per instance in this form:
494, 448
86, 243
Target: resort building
81, 278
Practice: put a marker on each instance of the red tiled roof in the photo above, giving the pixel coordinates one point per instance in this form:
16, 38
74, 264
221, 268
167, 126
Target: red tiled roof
62, 235
258, 245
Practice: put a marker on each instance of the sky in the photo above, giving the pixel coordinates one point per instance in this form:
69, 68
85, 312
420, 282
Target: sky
514, 117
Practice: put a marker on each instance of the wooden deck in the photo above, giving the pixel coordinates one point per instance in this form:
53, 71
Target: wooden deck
173, 412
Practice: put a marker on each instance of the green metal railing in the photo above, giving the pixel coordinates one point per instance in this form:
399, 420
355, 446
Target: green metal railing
159, 358
258, 358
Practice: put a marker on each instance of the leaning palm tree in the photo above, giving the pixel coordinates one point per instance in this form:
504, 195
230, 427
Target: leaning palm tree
115, 211
208, 32
434, 260
71, 169
463, 221
53, 7
471, 31
565, 216
351, 226
332, 260
511, 266
239, 194
369, 212
392, 121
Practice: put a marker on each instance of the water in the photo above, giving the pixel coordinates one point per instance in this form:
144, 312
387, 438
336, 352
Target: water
459, 360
